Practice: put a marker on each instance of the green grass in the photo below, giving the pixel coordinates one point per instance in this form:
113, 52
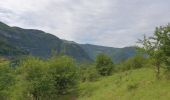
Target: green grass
139, 84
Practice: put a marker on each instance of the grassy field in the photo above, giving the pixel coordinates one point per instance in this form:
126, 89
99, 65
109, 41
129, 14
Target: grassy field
139, 84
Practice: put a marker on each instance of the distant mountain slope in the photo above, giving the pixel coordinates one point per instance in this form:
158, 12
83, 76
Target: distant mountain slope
117, 54
9, 50
15, 41
39, 43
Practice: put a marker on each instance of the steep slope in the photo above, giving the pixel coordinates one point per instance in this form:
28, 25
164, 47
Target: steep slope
9, 50
6, 48
73, 49
39, 43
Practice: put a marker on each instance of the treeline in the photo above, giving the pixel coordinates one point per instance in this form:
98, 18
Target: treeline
36, 79
32, 78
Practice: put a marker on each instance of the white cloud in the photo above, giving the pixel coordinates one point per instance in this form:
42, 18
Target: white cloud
115, 23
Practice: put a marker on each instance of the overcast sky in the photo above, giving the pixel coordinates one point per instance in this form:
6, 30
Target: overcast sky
115, 23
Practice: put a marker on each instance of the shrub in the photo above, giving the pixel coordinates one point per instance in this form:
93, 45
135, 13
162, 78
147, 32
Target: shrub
104, 65
63, 71
88, 72
33, 81
135, 62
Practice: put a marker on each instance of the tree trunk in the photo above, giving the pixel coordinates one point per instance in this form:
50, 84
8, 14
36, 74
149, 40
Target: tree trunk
35, 97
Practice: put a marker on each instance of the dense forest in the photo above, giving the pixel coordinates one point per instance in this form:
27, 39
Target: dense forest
61, 77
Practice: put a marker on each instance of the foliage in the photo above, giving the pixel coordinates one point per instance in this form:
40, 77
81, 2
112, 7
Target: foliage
39, 79
7, 79
157, 46
33, 79
63, 72
135, 62
104, 65
88, 72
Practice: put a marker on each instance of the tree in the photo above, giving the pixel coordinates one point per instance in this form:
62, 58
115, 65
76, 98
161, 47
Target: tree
157, 47
32, 80
63, 71
104, 65
163, 36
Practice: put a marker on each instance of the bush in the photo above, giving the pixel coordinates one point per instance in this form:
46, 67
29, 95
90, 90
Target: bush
133, 63
33, 80
63, 71
40, 79
88, 72
104, 65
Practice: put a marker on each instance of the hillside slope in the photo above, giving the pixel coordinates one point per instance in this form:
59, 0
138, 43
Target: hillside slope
137, 84
41, 44
9, 50
117, 54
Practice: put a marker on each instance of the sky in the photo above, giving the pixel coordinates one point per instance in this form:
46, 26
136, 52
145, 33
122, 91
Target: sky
113, 23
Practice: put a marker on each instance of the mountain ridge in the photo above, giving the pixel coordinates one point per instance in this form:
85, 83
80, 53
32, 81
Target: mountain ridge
41, 44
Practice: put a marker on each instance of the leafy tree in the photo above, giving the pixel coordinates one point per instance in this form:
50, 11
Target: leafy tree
104, 65
38, 79
33, 81
63, 71
162, 34
158, 46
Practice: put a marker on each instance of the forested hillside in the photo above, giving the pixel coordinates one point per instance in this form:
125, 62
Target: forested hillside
41, 44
